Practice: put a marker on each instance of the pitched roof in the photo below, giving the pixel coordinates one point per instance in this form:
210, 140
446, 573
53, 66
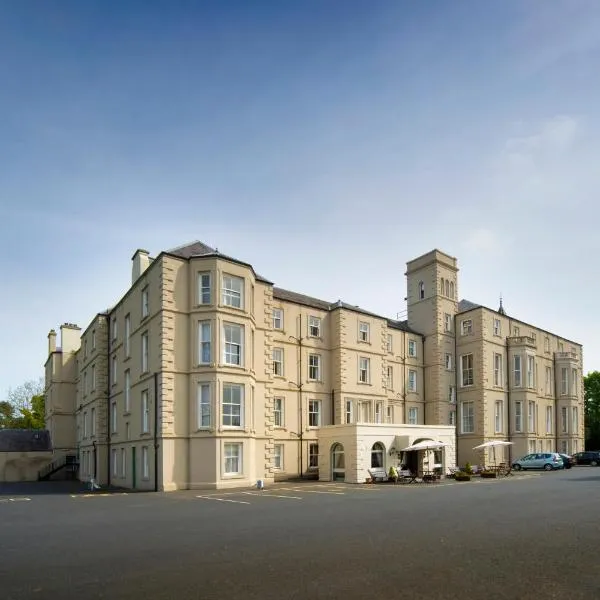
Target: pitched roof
25, 440
296, 298
198, 248
465, 305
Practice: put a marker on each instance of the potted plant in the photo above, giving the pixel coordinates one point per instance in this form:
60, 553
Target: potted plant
488, 474
462, 476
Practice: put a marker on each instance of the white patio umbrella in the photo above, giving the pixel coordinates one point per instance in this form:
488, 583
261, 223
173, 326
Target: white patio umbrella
492, 444
425, 445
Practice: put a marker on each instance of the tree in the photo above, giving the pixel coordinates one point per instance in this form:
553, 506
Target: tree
7, 415
591, 386
25, 407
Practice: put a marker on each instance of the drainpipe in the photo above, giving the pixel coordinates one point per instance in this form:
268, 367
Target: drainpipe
456, 411
156, 432
423, 339
404, 411
298, 340
555, 405
508, 401
108, 420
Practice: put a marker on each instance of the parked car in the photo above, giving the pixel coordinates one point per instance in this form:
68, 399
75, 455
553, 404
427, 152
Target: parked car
589, 457
568, 461
539, 460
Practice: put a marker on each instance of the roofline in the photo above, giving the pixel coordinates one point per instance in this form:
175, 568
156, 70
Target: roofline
506, 316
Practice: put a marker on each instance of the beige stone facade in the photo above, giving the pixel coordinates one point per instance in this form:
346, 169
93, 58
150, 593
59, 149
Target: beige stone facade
207, 375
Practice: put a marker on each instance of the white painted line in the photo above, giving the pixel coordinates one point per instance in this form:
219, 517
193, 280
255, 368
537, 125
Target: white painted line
269, 495
98, 495
15, 500
222, 499
311, 491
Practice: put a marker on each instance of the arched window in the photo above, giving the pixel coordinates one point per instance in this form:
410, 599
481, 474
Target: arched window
452, 290
377, 452
447, 288
442, 286
421, 290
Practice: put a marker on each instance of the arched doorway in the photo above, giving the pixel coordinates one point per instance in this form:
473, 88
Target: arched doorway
377, 453
338, 464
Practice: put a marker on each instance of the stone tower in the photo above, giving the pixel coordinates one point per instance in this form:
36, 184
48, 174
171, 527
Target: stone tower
432, 292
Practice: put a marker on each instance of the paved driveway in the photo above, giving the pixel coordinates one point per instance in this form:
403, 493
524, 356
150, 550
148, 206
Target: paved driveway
529, 536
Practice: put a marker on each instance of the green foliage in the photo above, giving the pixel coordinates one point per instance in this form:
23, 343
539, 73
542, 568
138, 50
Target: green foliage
468, 469
25, 407
462, 475
591, 386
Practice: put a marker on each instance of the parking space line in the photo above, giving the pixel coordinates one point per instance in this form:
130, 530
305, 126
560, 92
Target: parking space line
269, 495
98, 495
6, 500
310, 491
222, 499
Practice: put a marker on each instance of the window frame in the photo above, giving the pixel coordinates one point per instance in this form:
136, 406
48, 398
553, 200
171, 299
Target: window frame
412, 348
145, 401
312, 403
203, 405
411, 381
314, 327
279, 412
314, 368
231, 297
204, 344
204, 292
467, 375
469, 416
228, 346
278, 362
364, 332
238, 387
276, 318
364, 370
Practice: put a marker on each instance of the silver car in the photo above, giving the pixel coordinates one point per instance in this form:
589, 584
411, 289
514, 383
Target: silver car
539, 460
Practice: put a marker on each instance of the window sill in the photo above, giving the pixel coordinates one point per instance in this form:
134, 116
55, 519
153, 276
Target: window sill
204, 429
367, 342
363, 383
279, 376
233, 476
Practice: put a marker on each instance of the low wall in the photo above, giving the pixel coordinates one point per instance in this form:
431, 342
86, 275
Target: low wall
22, 466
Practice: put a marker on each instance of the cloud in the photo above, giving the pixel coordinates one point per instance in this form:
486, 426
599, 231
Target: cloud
553, 136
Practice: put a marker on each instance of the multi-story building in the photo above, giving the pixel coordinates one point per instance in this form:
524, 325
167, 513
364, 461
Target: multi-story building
205, 374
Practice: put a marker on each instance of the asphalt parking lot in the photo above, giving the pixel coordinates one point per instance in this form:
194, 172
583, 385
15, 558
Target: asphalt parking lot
525, 536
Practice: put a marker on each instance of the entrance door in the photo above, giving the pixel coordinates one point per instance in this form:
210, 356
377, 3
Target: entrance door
133, 465
338, 465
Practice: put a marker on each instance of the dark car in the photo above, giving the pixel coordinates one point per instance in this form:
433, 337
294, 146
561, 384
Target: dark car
568, 461
589, 457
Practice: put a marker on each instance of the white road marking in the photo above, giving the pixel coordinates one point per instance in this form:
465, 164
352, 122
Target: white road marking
15, 500
269, 495
98, 495
310, 491
222, 499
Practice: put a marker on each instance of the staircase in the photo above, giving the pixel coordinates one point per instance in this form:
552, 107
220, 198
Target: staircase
67, 461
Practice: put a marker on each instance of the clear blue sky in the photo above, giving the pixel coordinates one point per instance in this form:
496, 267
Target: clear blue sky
327, 143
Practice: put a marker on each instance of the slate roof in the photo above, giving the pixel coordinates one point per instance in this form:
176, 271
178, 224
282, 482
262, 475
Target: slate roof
296, 298
198, 248
25, 440
465, 305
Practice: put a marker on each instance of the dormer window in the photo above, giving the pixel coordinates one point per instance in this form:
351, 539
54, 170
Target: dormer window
421, 290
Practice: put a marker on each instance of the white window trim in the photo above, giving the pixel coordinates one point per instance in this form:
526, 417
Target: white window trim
318, 367
463, 370
281, 412
411, 381
279, 467
200, 403
364, 332
519, 416
201, 342
201, 288
280, 318
412, 348
466, 327
242, 389
145, 411
319, 413
366, 370
413, 415
463, 405
314, 323
242, 353
279, 361
230, 294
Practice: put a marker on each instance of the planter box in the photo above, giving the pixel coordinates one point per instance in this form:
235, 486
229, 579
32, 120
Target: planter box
462, 478
488, 475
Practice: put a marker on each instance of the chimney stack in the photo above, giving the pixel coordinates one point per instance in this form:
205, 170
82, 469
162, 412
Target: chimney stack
70, 337
51, 341
141, 261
